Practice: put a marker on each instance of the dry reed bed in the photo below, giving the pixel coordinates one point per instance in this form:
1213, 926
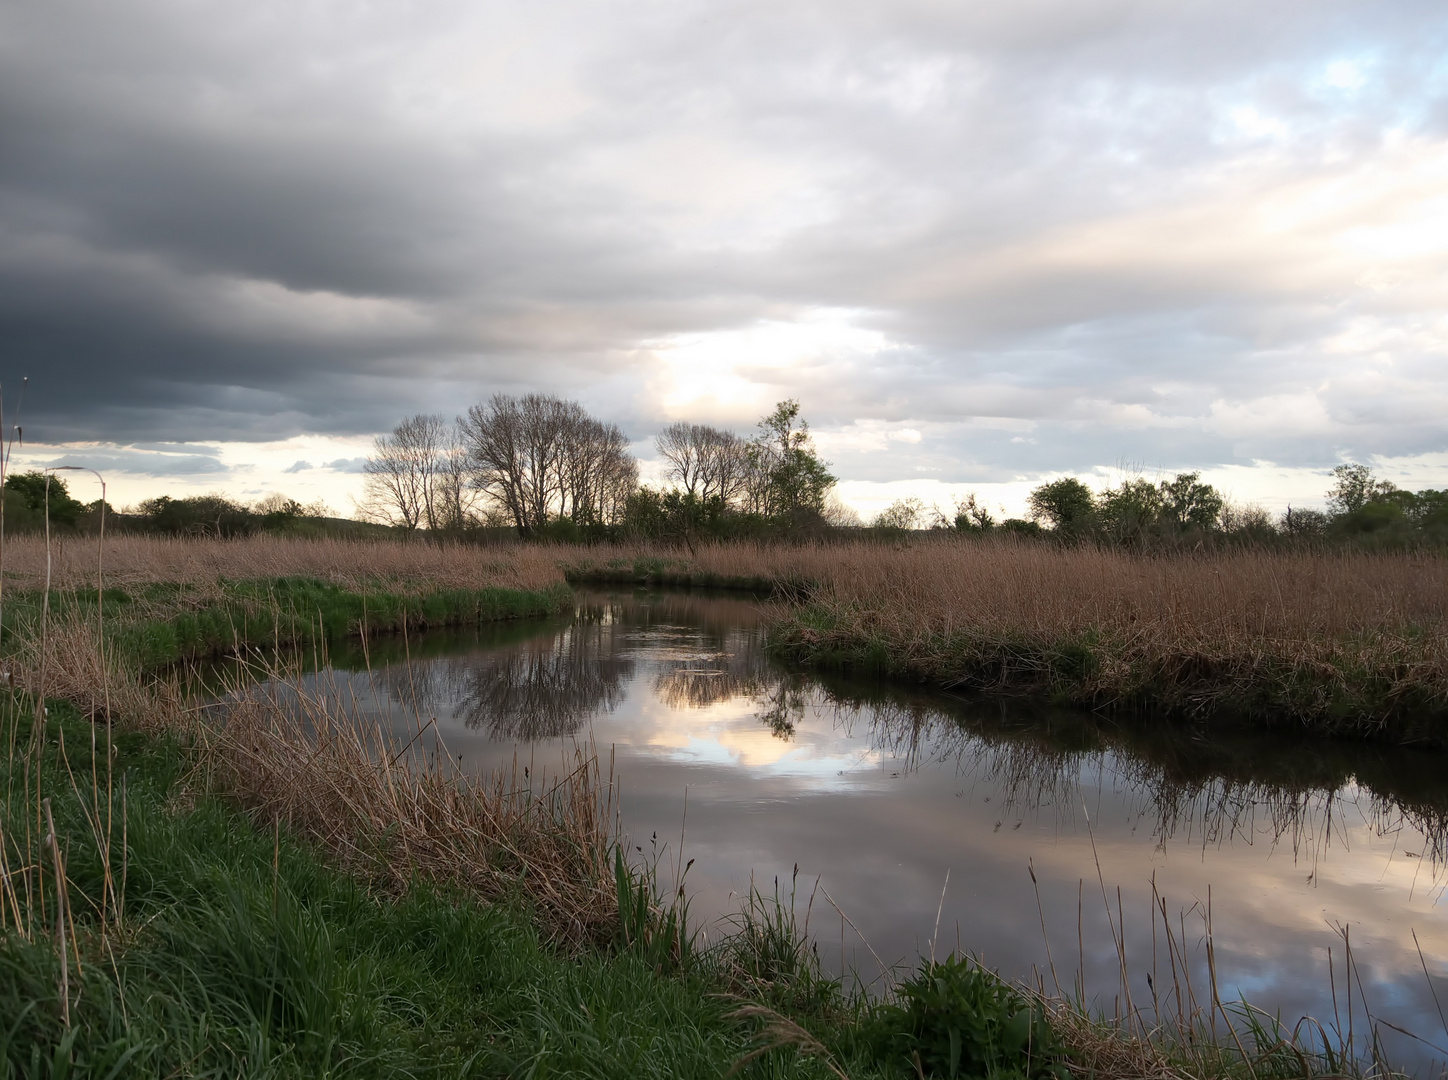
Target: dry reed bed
928, 585
353, 564
1348, 642
391, 816
932, 585
397, 814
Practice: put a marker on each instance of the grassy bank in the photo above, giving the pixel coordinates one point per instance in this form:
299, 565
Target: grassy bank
158, 624
237, 951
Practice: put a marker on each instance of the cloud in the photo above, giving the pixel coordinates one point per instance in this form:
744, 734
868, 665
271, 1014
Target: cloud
300, 466
1042, 237
346, 465
145, 461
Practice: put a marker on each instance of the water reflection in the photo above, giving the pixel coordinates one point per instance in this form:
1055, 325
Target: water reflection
546, 687
699, 652
883, 789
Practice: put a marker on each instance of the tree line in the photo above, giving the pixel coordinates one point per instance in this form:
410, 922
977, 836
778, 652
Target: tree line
28, 498
544, 468
539, 466
1137, 512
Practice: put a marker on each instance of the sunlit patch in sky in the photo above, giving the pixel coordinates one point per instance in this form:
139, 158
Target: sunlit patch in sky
742, 373
1257, 125
1345, 75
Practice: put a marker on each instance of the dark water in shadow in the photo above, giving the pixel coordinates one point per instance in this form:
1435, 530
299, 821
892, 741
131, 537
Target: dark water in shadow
879, 792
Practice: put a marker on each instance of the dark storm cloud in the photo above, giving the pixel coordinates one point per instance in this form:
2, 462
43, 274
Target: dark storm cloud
1081, 230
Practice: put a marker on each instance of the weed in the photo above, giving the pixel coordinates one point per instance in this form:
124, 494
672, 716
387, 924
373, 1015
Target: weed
953, 1019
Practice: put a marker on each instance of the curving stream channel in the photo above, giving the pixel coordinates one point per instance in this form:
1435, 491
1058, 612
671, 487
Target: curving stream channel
1284, 851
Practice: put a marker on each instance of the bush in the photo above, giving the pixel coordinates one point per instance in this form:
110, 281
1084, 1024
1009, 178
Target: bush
31, 487
955, 1019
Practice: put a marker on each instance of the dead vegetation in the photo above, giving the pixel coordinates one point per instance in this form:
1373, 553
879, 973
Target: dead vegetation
1339, 642
415, 565
398, 814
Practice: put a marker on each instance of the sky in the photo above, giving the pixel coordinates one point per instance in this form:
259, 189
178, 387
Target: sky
984, 245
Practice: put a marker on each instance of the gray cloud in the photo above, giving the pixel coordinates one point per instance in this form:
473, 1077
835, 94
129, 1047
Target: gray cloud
176, 461
346, 465
299, 466
1080, 231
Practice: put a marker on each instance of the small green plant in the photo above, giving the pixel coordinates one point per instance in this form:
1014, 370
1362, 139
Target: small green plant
954, 1019
654, 929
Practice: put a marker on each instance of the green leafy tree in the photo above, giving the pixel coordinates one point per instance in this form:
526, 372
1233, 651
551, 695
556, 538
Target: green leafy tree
1129, 511
1303, 523
1354, 486
901, 515
1065, 505
1430, 509
1187, 502
795, 480
972, 517
43, 492
198, 515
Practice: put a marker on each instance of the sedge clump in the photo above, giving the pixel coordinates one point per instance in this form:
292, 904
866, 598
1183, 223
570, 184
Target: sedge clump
955, 1019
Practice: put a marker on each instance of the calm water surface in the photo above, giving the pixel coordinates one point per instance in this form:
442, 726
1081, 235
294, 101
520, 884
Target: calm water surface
879, 793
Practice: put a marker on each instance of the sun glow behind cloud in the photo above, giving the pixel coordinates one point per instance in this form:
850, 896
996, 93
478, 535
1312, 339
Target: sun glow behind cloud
734, 374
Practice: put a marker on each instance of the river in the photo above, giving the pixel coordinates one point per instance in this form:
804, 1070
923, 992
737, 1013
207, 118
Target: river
1049, 842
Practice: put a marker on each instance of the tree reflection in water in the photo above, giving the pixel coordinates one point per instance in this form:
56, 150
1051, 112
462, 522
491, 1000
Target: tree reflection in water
544, 688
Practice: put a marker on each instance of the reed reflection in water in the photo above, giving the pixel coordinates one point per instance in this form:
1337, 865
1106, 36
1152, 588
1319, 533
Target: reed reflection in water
882, 790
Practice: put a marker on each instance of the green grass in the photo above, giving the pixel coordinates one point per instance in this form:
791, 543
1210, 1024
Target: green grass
160, 624
238, 958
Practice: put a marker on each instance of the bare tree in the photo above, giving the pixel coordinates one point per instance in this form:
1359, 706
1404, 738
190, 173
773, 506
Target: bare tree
540, 458
596, 471
706, 462
456, 498
726, 465
683, 447
401, 473
494, 439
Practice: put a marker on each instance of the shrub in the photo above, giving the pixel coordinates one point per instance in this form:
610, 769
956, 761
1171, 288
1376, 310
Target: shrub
31, 488
956, 1019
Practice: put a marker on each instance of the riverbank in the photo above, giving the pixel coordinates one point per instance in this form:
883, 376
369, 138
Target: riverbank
213, 944
275, 835
1340, 644
1334, 643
